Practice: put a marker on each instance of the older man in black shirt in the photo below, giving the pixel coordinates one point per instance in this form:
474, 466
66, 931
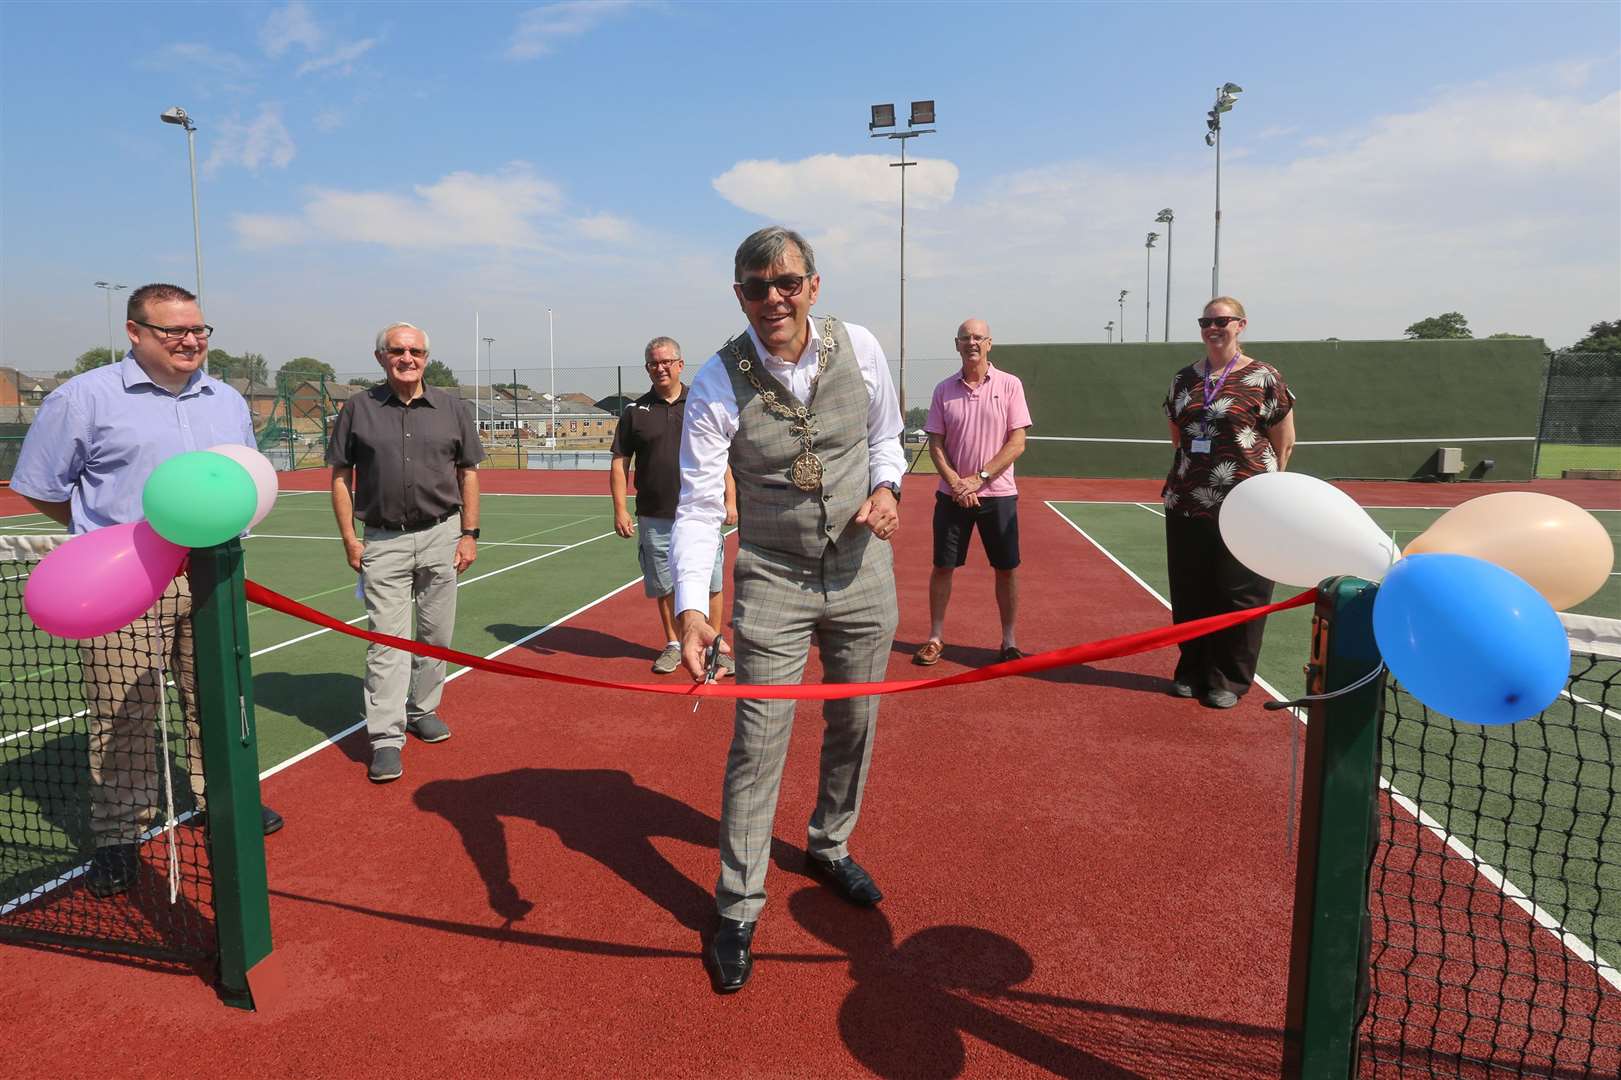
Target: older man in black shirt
649, 434
412, 452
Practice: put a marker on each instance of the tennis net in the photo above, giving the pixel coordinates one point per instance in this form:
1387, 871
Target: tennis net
1494, 899
101, 790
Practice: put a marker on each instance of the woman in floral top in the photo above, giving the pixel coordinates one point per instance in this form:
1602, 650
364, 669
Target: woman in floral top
1231, 417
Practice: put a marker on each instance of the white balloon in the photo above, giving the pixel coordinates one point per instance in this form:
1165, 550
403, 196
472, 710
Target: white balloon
1299, 530
263, 473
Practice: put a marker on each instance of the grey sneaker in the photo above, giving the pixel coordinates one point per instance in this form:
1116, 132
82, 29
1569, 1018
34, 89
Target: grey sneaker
728, 666
1221, 699
428, 727
668, 660
385, 765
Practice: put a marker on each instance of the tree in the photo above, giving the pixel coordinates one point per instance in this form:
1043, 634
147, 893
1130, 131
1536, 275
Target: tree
250, 366
93, 358
916, 417
511, 386
1602, 337
1509, 337
303, 368
1448, 326
437, 374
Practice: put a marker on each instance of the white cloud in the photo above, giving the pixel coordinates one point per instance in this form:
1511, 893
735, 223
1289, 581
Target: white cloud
503, 210
329, 119
195, 54
540, 29
262, 141
340, 61
1501, 201
605, 228
289, 25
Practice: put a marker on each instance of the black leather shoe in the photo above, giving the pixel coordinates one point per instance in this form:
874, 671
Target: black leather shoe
112, 870
847, 879
731, 955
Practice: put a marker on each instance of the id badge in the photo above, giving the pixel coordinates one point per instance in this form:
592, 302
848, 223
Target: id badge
1199, 446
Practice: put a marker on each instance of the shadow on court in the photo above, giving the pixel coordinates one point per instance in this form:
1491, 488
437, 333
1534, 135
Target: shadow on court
601, 813
973, 656
573, 641
326, 702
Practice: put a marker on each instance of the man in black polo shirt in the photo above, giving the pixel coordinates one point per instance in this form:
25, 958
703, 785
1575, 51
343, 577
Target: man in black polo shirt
412, 452
650, 432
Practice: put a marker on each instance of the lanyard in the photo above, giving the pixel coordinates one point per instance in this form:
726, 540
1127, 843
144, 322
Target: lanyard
1210, 394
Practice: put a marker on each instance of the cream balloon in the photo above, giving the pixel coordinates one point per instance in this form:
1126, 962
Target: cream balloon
1299, 530
1559, 548
263, 473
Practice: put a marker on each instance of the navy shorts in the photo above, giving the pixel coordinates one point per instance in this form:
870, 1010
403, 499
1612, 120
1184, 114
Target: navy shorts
996, 517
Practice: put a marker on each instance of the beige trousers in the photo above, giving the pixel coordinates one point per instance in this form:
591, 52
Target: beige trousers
124, 680
406, 573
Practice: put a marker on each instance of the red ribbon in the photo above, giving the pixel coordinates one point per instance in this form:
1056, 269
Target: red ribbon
1106, 649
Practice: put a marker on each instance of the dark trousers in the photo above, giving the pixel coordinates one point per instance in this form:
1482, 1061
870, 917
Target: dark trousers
1206, 580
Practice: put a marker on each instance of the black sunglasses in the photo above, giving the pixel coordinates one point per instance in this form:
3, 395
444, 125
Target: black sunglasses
756, 289
1218, 321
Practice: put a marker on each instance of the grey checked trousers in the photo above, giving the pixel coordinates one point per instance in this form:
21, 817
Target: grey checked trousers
847, 597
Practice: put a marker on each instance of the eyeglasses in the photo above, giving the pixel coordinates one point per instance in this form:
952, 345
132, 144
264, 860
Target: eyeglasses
1220, 322
973, 339
177, 333
756, 288
651, 364
401, 350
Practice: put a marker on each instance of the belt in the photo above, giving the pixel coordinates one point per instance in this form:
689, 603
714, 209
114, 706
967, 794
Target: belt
415, 526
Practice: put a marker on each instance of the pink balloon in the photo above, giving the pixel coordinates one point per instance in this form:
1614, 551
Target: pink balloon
263, 473
101, 581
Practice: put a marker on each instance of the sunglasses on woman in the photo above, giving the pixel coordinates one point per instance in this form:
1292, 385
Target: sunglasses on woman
1220, 322
756, 289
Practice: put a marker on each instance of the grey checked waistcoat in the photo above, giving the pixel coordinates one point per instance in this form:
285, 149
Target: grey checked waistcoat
772, 513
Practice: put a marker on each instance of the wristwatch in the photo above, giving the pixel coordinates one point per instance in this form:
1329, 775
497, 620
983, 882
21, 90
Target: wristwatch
894, 488
470, 532
984, 477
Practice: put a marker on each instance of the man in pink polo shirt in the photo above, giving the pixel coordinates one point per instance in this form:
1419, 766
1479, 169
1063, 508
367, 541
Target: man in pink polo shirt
976, 431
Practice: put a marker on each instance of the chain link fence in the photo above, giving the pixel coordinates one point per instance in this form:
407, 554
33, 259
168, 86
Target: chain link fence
1580, 427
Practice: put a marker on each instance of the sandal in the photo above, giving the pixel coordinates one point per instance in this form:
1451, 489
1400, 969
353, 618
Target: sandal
929, 653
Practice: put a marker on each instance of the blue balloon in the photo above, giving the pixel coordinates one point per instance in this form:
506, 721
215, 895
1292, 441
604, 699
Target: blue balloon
1469, 639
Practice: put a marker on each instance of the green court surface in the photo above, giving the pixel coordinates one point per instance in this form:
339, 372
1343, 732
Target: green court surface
1545, 819
554, 555
1554, 458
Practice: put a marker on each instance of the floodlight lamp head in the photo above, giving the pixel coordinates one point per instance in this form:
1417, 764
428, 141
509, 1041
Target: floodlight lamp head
1210, 140
1152, 237
1165, 215
1123, 294
1232, 88
922, 114
177, 115
1224, 104
883, 116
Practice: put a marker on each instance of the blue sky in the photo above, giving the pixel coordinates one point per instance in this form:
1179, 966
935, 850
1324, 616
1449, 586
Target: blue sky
361, 163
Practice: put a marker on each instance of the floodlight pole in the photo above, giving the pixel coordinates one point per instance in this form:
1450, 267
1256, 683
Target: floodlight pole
1109, 326
489, 366
902, 165
1166, 217
177, 115
1148, 288
1226, 95
551, 351
1122, 303
109, 288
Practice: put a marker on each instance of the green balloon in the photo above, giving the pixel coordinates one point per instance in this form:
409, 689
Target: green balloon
199, 499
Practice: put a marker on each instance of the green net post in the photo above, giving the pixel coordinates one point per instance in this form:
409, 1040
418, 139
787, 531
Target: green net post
230, 767
1338, 796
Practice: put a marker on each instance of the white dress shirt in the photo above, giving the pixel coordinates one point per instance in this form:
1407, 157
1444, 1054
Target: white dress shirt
706, 442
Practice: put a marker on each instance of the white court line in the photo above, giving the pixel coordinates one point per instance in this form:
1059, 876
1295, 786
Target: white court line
357, 725
1570, 941
330, 539
1151, 510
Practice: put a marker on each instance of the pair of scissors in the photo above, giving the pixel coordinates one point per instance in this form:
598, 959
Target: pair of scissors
711, 669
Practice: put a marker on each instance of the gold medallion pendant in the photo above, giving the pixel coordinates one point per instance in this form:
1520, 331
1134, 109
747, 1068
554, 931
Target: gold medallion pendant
806, 472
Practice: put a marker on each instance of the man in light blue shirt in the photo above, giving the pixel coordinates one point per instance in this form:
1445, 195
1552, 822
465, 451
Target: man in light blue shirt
84, 463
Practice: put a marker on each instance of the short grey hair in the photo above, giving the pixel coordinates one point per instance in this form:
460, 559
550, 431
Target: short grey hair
382, 335
659, 342
766, 246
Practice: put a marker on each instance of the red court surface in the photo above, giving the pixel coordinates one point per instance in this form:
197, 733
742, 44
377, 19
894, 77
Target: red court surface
1083, 876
